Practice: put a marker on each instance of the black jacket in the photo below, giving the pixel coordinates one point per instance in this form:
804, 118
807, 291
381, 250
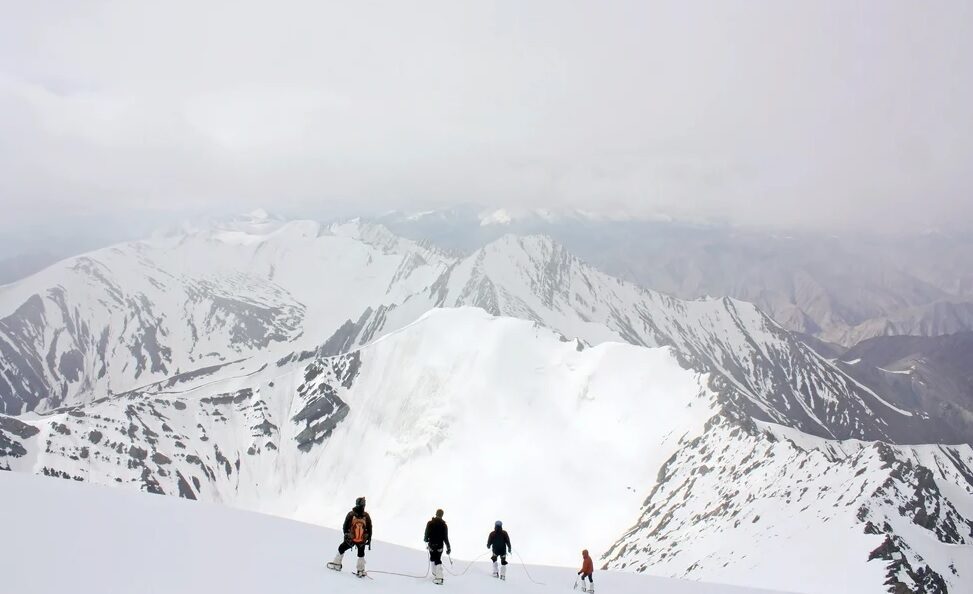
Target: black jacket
368, 524
499, 541
437, 533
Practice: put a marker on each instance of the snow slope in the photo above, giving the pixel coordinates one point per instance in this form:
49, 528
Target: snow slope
783, 505
97, 540
489, 418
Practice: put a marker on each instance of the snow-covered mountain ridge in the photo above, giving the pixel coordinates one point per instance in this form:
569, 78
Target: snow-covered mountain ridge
779, 497
758, 368
243, 287
125, 316
841, 288
372, 380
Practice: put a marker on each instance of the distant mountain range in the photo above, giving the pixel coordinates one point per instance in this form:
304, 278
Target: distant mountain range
839, 288
927, 373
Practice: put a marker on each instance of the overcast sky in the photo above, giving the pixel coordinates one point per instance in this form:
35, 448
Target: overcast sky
850, 114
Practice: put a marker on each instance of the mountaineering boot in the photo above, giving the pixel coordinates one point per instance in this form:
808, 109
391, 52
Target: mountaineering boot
336, 564
496, 572
503, 572
437, 574
361, 567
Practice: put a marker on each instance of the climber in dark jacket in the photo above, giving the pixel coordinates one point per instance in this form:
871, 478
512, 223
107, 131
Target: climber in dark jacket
499, 542
358, 533
437, 536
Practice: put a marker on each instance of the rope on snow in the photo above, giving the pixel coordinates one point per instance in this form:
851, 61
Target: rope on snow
451, 572
408, 575
524, 565
468, 566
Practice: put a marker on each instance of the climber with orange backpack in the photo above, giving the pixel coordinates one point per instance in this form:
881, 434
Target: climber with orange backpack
358, 533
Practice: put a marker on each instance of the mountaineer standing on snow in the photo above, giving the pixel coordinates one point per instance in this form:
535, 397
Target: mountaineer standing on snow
358, 533
499, 541
587, 568
437, 535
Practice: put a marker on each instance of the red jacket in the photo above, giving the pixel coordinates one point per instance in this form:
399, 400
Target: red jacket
587, 566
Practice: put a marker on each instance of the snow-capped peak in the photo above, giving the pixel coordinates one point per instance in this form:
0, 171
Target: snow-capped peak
496, 217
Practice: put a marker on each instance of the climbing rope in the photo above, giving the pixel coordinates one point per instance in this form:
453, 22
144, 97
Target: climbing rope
451, 572
524, 565
468, 566
408, 575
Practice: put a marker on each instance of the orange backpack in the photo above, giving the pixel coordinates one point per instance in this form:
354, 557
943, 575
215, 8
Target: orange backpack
357, 530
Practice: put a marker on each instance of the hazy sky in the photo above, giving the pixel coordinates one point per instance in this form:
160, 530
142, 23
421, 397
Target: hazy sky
813, 113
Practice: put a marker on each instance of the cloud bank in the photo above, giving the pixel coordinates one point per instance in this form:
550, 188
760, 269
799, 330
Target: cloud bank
819, 114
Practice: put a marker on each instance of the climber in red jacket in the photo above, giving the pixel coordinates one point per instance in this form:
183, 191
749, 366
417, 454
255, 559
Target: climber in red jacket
587, 568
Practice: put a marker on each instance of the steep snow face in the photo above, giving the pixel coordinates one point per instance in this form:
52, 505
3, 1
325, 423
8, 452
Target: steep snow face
136, 313
112, 542
783, 504
488, 418
514, 424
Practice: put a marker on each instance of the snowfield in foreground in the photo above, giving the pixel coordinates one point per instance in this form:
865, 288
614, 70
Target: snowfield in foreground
60, 536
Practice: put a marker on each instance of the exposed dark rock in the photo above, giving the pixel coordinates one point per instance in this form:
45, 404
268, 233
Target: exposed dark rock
234, 398
137, 453
322, 414
160, 458
220, 458
17, 427
264, 428
184, 489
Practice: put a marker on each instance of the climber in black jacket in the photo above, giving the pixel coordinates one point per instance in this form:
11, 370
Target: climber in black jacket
437, 536
499, 542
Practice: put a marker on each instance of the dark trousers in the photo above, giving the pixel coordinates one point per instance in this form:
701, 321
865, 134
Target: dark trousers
347, 545
436, 554
503, 559
587, 575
